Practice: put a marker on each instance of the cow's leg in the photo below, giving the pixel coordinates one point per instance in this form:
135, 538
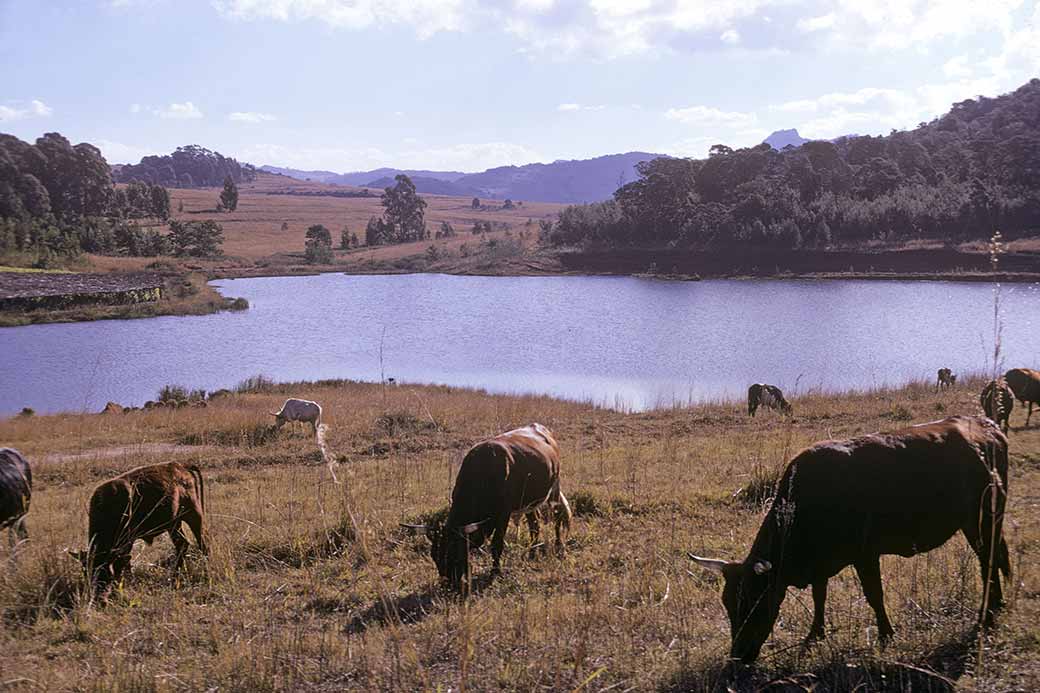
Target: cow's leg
980, 536
1029, 414
22, 528
534, 533
869, 572
180, 543
498, 544
819, 600
195, 522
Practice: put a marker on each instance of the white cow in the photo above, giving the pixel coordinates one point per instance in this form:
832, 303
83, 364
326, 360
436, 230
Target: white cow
299, 410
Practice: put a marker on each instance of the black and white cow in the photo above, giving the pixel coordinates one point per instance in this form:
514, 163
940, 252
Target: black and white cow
762, 395
15, 494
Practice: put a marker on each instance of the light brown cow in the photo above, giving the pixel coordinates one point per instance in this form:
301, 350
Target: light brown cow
142, 504
511, 475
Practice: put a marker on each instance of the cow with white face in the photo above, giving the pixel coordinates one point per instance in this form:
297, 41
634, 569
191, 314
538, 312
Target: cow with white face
301, 410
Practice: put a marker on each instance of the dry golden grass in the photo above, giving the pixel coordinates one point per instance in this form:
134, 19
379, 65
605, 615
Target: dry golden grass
294, 597
253, 233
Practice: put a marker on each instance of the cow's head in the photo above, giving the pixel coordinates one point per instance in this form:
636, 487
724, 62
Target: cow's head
99, 572
785, 406
751, 602
449, 549
279, 420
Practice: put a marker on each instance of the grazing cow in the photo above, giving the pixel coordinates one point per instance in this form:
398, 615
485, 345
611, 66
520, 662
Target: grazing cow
944, 378
762, 395
843, 503
997, 402
142, 504
511, 475
15, 494
301, 410
1025, 384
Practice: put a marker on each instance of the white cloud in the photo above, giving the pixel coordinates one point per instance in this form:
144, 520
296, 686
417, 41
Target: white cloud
460, 157
573, 107
179, 111
34, 109
427, 17
706, 116
135, 108
250, 117
559, 29
119, 153
810, 24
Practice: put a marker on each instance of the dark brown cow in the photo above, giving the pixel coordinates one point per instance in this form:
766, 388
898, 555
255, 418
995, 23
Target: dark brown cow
15, 494
843, 503
944, 378
770, 396
1025, 384
511, 475
997, 402
142, 503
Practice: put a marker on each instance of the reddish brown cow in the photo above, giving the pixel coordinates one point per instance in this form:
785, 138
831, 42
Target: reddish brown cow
842, 503
142, 504
1025, 384
511, 475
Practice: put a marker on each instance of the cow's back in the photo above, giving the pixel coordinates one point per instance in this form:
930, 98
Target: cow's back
507, 472
15, 486
901, 493
139, 504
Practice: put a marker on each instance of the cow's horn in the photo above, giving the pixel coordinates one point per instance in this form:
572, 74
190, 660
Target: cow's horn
709, 563
762, 567
416, 529
472, 527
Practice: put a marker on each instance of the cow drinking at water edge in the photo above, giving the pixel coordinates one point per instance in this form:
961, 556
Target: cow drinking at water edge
511, 475
842, 503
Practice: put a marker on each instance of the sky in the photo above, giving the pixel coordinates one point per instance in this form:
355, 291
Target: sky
348, 85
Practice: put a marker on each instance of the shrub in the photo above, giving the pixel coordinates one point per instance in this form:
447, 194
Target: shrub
255, 383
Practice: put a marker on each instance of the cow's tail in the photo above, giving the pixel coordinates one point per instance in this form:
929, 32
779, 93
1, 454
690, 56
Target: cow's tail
326, 455
197, 473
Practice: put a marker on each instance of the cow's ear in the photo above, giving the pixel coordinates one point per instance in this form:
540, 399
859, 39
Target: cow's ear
762, 567
472, 527
80, 556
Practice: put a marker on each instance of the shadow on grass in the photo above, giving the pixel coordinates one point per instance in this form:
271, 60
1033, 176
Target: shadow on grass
935, 672
411, 608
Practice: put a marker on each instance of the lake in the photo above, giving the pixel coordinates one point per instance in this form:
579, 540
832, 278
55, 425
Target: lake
620, 341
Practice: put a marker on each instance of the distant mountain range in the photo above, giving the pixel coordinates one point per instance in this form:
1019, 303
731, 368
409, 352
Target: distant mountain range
581, 180
361, 178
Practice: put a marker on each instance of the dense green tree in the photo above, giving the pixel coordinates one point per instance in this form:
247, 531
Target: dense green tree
196, 238
229, 195
403, 210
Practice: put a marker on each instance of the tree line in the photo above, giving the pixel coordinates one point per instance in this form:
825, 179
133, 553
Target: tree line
956, 178
191, 166
57, 200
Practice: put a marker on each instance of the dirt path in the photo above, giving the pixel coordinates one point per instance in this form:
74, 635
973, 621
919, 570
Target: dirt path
125, 451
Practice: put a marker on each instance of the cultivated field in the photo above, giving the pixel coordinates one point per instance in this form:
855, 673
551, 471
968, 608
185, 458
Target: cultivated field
313, 586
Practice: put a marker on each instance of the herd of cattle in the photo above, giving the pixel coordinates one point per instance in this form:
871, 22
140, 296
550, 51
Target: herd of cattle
838, 503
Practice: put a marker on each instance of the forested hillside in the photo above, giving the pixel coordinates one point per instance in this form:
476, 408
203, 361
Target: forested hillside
967, 173
188, 167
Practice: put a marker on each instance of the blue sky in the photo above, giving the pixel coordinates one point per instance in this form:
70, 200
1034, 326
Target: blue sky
468, 84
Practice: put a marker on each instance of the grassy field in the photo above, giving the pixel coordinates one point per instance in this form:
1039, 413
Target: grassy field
312, 585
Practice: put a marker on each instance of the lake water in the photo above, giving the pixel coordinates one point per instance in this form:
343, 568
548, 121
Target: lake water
627, 342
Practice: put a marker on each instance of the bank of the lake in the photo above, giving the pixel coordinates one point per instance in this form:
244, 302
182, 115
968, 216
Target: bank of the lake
78, 297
